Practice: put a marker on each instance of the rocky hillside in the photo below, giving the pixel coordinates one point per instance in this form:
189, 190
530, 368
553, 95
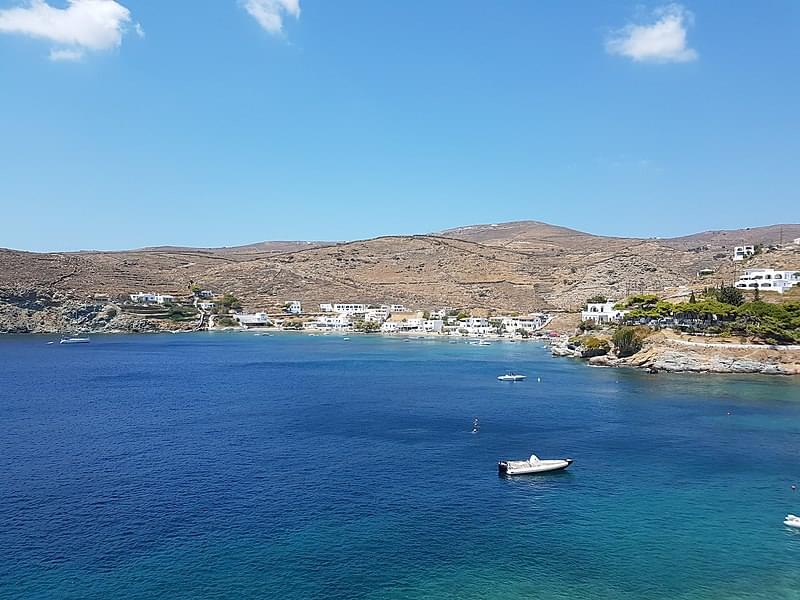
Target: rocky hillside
512, 266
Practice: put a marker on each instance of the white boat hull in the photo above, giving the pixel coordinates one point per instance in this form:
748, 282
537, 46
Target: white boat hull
524, 467
792, 521
74, 341
512, 378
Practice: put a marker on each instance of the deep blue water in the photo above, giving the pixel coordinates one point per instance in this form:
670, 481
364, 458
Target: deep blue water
236, 466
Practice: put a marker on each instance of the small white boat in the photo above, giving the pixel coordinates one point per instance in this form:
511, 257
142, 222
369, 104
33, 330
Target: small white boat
484, 343
512, 377
74, 340
532, 466
792, 521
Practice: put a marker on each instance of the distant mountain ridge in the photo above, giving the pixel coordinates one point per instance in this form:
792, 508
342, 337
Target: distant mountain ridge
523, 265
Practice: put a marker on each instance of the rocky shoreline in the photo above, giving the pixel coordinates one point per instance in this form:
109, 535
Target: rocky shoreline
662, 352
57, 314
54, 313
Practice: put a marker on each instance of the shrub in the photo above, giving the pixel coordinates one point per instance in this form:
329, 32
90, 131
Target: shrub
627, 341
593, 346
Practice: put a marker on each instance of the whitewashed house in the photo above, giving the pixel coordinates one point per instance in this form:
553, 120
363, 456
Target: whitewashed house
768, 280
349, 309
151, 298
528, 323
144, 297
407, 322
331, 322
477, 326
294, 307
259, 319
433, 325
326, 307
742, 252
376, 315
206, 305
601, 312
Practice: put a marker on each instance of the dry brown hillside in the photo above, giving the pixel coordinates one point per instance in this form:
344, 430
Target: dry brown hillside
517, 266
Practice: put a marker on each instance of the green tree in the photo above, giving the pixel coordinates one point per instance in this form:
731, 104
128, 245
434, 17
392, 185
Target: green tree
597, 299
367, 326
627, 341
229, 301
730, 295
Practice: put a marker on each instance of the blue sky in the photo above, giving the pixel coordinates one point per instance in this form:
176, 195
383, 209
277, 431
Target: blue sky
143, 122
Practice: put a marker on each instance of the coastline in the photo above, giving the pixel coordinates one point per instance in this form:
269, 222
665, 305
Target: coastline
663, 352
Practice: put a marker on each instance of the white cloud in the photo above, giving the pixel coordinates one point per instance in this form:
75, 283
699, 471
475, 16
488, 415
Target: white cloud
84, 25
65, 54
661, 41
270, 13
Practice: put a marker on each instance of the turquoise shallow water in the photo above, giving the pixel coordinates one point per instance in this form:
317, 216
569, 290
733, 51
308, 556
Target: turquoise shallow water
229, 465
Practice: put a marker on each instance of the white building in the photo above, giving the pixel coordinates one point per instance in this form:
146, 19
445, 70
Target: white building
206, 305
151, 298
768, 280
144, 297
205, 294
259, 319
528, 323
349, 309
397, 308
477, 326
326, 307
407, 322
796, 241
601, 312
742, 252
294, 307
390, 327
433, 325
376, 315
332, 322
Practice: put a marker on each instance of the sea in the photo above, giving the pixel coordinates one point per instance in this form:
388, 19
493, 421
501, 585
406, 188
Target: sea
289, 466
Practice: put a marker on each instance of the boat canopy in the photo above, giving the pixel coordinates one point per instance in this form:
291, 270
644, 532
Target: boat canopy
533, 459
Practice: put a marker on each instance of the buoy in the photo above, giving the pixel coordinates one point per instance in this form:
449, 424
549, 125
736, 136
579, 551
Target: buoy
539, 379
794, 488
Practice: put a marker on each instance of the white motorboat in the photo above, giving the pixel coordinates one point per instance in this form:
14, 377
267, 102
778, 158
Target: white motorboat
532, 466
484, 343
74, 340
792, 521
512, 377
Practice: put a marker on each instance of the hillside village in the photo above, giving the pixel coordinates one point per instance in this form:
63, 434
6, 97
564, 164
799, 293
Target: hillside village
512, 280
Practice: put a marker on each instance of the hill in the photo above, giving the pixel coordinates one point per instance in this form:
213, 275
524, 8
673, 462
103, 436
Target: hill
524, 265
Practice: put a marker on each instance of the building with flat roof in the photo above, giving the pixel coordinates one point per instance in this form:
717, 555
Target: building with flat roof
601, 312
742, 252
768, 280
